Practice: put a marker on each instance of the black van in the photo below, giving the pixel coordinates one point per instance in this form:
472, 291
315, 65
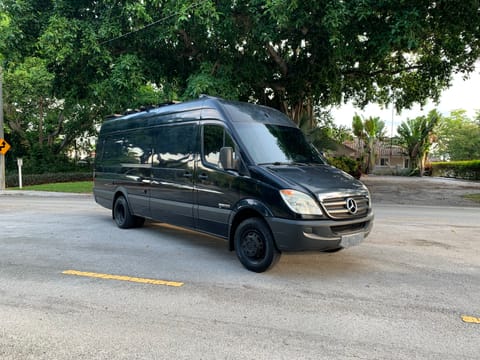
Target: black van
240, 171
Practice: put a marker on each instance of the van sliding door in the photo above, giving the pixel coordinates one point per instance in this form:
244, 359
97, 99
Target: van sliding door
172, 191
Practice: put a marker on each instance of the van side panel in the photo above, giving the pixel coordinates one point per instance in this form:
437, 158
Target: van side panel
136, 170
172, 176
126, 163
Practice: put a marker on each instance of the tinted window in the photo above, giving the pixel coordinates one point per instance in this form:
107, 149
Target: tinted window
214, 138
126, 149
174, 145
267, 144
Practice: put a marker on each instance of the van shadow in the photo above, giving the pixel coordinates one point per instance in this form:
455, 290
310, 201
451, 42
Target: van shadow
186, 241
186, 237
205, 248
346, 263
202, 252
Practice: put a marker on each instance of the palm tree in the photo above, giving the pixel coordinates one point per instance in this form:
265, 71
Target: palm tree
417, 136
369, 130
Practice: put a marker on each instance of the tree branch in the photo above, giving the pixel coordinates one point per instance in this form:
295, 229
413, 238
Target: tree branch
278, 59
192, 50
56, 132
355, 72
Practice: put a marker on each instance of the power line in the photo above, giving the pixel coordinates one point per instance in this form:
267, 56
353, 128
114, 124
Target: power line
156, 22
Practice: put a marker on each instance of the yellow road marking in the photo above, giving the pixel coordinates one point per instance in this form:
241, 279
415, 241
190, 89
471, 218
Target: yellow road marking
122, 278
471, 319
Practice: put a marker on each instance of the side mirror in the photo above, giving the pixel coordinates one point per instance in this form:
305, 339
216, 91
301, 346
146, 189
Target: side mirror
226, 158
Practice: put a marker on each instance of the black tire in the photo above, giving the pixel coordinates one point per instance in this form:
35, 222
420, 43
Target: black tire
122, 215
254, 245
138, 221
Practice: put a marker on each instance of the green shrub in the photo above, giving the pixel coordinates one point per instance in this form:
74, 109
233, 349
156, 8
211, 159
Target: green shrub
346, 164
37, 179
41, 160
469, 170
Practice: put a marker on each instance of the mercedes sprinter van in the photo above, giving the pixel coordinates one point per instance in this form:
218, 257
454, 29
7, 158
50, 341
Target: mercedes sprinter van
239, 171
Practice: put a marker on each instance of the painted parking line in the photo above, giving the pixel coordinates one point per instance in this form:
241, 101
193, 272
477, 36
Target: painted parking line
122, 278
471, 319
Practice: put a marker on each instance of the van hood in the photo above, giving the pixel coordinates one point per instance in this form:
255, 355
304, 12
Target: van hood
318, 179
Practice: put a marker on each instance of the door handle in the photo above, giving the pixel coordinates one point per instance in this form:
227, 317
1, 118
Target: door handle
187, 175
203, 176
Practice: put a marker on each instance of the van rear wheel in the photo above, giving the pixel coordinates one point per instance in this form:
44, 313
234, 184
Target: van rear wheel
122, 215
254, 245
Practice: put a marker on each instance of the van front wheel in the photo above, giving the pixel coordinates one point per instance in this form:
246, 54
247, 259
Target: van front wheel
254, 245
122, 215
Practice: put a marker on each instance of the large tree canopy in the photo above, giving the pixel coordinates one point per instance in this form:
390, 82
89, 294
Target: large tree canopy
106, 56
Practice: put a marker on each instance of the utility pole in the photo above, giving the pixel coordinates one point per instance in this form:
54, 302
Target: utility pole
2, 157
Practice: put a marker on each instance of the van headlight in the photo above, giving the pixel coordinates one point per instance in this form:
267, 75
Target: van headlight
300, 202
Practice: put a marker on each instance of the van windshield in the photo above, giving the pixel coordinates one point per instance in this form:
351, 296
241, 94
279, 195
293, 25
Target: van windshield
277, 145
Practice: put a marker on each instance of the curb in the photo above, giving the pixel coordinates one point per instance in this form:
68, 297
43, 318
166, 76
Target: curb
42, 193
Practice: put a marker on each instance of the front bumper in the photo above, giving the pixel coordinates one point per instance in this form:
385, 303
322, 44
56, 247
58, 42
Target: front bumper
319, 235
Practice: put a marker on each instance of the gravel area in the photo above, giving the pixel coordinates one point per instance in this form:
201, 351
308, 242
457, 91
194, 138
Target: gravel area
429, 191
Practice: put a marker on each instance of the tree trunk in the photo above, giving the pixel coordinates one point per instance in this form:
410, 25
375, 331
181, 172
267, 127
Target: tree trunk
421, 164
371, 155
301, 111
53, 135
40, 122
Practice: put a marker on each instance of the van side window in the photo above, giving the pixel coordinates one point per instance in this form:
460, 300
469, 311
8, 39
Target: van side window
174, 146
127, 149
214, 138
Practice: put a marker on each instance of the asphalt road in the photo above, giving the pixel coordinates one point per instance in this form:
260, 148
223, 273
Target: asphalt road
399, 295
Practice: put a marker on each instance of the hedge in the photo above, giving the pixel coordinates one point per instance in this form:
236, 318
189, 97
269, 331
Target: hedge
468, 170
346, 164
36, 179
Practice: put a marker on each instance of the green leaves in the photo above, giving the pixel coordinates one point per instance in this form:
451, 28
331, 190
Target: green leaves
289, 54
213, 79
417, 136
458, 137
370, 130
58, 42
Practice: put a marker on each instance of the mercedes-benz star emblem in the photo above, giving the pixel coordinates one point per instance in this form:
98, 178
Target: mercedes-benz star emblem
352, 206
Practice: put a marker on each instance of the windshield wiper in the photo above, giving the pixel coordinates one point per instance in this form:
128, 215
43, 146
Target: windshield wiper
276, 163
281, 163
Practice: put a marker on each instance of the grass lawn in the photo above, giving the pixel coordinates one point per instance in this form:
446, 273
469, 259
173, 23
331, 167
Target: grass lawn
71, 187
474, 197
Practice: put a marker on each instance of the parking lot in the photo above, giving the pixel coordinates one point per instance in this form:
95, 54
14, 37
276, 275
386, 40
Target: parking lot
73, 285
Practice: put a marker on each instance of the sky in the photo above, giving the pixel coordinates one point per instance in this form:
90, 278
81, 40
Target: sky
463, 94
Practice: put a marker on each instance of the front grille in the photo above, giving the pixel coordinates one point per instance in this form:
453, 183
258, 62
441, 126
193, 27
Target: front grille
347, 229
346, 206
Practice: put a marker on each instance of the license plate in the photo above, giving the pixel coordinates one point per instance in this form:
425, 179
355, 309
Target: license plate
351, 240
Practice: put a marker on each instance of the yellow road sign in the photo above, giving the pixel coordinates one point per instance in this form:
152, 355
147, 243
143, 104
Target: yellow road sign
4, 147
